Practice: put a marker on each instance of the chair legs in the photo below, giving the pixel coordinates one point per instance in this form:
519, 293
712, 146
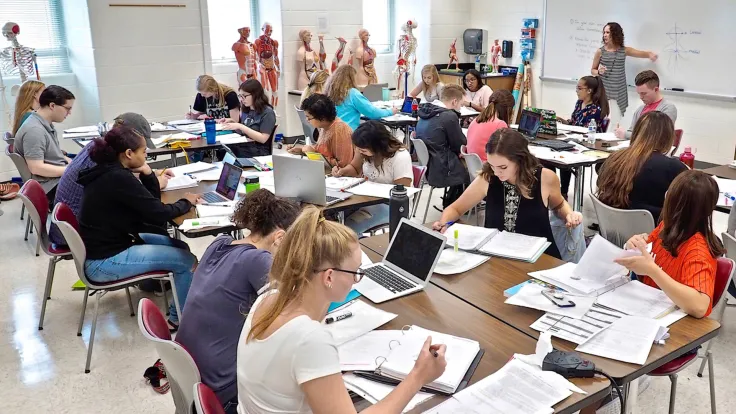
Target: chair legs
98, 295
429, 201
130, 301
712, 381
38, 244
84, 308
22, 210
28, 229
166, 296
47, 290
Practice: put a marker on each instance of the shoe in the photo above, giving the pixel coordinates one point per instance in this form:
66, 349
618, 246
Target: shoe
594, 227
9, 191
173, 327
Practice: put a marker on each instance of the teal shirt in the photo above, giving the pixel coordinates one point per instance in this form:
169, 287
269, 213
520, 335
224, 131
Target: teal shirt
355, 105
24, 117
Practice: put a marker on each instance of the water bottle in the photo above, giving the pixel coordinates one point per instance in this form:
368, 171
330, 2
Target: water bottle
477, 63
688, 158
414, 107
398, 207
210, 131
592, 128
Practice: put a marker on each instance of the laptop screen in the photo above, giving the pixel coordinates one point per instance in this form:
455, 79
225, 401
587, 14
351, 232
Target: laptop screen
227, 186
414, 251
406, 107
529, 123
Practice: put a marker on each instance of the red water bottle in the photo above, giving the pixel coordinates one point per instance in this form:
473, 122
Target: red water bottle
687, 157
414, 107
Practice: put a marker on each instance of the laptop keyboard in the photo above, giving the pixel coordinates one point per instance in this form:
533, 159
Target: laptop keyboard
331, 199
554, 144
387, 279
212, 197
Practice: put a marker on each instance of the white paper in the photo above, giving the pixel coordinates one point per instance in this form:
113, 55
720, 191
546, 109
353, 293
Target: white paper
371, 189
562, 277
724, 199
341, 183
183, 122
159, 127
179, 182
73, 135
638, 299
598, 263
607, 136
565, 157
469, 237
629, 339
530, 296
81, 129
572, 128
398, 117
192, 168
671, 317
452, 262
365, 260
231, 139
365, 352
514, 245
621, 145
577, 331
725, 185
375, 391
544, 347
189, 224
396, 103
465, 111
209, 175
204, 210
365, 319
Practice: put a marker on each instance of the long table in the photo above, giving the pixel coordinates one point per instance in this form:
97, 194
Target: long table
440, 311
483, 288
722, 171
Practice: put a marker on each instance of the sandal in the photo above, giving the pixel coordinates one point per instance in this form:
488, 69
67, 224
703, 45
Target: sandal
173, 327
8, 191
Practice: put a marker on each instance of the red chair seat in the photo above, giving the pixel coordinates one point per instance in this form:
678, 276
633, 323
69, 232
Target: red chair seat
674, 365
132, 279
58, 250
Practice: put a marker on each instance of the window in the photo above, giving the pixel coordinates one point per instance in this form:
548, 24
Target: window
42, 28
378, 19
225, 18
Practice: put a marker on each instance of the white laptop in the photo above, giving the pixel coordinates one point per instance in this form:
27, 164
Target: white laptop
407, 266
304, 180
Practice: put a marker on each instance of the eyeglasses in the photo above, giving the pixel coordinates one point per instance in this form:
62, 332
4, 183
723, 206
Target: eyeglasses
244, 95
68, 108
578, 88
357, 276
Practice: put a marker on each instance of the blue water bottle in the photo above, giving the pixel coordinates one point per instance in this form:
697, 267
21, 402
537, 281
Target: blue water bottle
210, 131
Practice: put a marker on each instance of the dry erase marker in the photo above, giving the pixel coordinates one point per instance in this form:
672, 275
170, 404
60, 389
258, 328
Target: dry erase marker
338, 318
456, 239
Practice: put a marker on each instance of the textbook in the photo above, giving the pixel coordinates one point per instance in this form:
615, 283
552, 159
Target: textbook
342, 183
470, 238
179, 182
491, 242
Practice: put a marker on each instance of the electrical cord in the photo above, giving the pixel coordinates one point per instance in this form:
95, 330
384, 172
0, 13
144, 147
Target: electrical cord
618, 389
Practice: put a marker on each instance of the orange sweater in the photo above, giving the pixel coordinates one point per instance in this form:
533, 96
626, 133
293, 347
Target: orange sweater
336, 144
694, 266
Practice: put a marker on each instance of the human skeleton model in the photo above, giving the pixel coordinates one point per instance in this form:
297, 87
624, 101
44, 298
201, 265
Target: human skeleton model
245, 54
267, 50
322, 53
307, 60
453, 55
15, 60
495, 54
407, 45
338, 54
362, 59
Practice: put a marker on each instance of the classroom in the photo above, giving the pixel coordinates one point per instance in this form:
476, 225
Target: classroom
379, 206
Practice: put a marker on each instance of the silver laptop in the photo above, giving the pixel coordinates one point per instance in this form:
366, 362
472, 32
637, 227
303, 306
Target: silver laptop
407, 266
227, 185
304, 180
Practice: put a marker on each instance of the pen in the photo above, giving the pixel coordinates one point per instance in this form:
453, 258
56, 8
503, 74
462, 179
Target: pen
456, 239
450, 223
332, 319
162, 172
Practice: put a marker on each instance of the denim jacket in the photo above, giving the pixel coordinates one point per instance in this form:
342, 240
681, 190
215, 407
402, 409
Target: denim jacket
570, 242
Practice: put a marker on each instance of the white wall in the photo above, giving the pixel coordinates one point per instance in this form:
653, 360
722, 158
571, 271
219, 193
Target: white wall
449, 21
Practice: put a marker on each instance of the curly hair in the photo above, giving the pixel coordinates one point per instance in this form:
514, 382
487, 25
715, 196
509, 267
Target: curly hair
512, 145
617, 33
262, 213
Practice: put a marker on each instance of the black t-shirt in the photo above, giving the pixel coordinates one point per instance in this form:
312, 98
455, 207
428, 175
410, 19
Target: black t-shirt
652, 183
263, 121
211, 106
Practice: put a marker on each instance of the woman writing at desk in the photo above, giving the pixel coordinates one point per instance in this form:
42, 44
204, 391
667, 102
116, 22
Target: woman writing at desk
518, 192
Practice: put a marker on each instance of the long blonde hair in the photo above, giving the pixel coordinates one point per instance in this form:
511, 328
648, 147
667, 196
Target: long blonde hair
309, 242
429, 70
206, 83
316, 83
24, 103
340, 83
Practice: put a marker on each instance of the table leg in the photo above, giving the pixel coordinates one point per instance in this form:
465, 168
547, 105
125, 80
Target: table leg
579, 188
632, 397
173, 159
341, 217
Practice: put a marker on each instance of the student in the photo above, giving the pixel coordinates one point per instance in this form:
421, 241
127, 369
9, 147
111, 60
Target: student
287, 361
116, 211
477, 94
37, 142
257, 121
647, 86
638, 177
430, 87
518, 192
439, 128
27, 102
225, 285
592, 105
335, 136
214, 100
351, 104
493, 117
70, 192
379, 158
316, 84
609, 63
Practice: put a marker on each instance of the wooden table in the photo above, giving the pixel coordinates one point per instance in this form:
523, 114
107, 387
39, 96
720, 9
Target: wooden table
483, 288
440, 311
196, 145
722, 171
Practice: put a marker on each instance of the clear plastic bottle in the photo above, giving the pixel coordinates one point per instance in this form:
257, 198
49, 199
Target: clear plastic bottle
592, 129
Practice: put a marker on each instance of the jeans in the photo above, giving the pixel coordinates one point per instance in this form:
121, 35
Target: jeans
367, 217
158, 253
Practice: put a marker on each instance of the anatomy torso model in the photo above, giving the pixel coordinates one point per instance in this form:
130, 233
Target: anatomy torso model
453, 55
322, 53
245, 54
16, 59
267, 51
307, 60
338, 54
362, 59
407, 45
495, 55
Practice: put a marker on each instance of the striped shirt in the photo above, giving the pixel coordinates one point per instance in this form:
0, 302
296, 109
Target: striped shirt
614, 78
694, 266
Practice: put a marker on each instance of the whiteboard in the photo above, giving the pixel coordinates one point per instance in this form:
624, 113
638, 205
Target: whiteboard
695, 40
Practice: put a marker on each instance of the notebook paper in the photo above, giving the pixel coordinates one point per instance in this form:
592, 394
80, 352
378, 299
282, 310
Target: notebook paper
469, 237
628, 339
515, 246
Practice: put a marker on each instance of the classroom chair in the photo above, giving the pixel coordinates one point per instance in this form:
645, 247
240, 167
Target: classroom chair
605, 123
423, 157
34, 198
64, 218
474, 165
181, 370
676, 142
729, 242
205, 400
306, 127
724, 273
618, 225
25, 175
418, 172
269, 142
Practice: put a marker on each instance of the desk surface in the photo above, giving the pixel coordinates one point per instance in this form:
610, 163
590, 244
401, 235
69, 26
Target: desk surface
440, 311
722, 171
483, 288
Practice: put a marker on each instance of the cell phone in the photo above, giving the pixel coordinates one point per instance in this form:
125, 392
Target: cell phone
558, 298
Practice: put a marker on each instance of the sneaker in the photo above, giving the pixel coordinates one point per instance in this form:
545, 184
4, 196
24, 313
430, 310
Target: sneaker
8, 191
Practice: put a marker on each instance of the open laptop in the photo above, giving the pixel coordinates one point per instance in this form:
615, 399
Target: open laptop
406, 107
227, 185
407, 266
304, 180
529, 123
238, 162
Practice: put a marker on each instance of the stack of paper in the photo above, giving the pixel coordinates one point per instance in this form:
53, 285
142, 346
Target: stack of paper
365, 319
637, 299
166, 139
159, 127
374, 391
204, 210
465, 111
82, 129
371, 189
192, 168
232, 139
342, 183
398, 118
628, 339
530, 296
621, 145
183, 122
572, 128
564, 277
453, 262
565, 157
179, 182
470, 238
516, 246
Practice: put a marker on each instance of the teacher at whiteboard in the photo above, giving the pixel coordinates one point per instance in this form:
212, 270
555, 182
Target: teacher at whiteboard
609, 63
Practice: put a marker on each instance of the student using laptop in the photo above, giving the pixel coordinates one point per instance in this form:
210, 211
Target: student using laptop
351, 104
379, 158
304, 180
334, 137
257, 121
519, 193
287, 361
227, 185
495, 116
116, 211
647, 86
225, 285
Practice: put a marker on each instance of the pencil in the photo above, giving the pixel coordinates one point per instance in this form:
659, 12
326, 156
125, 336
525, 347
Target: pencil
162, 172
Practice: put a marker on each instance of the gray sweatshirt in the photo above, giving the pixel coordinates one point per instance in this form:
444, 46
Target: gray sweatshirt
664, 106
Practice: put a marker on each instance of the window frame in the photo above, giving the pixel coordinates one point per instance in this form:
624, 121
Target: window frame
391, 47
255, 28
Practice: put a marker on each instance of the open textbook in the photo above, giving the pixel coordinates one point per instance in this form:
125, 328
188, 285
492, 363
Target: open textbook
481, 240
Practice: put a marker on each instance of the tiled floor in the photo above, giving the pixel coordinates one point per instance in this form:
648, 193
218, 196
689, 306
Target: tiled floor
43, 371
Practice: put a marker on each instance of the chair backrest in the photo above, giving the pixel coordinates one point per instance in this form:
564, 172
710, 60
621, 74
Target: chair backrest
152, 322
66, 221
418, 171
605, 123
463, 149
181, 371
35, 200
676, 143
618, 225
725, 268
729, 242
20, 163
422, 152
306, 126
474, 164
374, 92
205, 400
8, 137
269, 142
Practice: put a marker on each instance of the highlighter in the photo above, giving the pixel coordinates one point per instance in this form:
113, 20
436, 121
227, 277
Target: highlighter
456, 239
